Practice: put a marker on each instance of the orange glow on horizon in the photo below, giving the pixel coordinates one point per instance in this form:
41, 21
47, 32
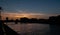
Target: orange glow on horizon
20, 15
24, 15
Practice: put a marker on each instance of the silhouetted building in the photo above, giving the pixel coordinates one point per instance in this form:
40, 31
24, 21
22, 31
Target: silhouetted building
33, 20
24, 20
52, 18
58, 19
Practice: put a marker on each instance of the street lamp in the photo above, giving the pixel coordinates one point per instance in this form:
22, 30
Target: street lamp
0, 12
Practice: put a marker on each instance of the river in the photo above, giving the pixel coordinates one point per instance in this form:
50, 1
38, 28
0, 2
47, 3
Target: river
30, 28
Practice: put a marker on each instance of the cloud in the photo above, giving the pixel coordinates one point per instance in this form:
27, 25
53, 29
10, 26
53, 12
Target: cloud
28, 15
21, 13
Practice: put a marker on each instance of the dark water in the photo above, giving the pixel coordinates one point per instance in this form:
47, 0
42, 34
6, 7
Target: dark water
30, 29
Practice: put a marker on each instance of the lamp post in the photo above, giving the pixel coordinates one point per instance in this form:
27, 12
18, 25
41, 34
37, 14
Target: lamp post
0, 12
1, 23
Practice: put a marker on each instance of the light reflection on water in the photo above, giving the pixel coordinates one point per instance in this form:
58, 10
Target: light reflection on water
40, 29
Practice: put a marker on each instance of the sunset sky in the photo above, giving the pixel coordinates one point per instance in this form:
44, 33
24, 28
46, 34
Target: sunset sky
30, 8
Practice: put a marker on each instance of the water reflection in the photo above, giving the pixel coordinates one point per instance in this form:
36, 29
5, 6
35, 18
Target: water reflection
30, 29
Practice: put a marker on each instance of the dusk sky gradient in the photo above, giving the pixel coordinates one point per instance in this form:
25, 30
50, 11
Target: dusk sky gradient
51, 7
